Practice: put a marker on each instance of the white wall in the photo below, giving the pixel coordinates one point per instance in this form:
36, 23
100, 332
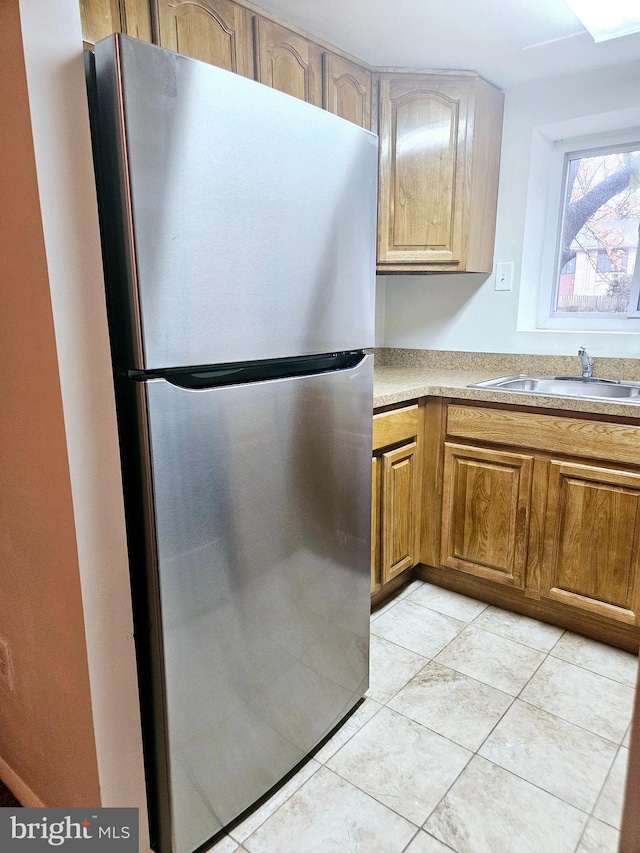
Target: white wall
463, 311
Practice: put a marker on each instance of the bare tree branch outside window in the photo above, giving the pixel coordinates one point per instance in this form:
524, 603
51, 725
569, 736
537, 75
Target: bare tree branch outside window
599, 239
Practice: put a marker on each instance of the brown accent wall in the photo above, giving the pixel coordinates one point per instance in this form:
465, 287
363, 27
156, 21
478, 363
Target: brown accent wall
46, 725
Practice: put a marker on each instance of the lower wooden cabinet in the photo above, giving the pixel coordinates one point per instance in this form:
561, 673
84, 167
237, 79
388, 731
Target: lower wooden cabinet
395, 514
592, 539
485, 512
375, 526
539, 512
399, 520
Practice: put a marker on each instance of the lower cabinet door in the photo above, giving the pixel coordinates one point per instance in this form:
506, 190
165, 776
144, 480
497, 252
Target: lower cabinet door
485, 512
399, 511
592, 539
375, 525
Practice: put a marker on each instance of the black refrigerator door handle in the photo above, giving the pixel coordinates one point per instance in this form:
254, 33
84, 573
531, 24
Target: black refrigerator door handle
258, 371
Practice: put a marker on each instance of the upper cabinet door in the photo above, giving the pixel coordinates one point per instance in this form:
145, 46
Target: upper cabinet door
440, 138
346, 90
100, 18
423, 127
214, 31
288, 62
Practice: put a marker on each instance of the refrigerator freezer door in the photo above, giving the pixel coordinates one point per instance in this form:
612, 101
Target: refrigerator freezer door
262, 517
249, 215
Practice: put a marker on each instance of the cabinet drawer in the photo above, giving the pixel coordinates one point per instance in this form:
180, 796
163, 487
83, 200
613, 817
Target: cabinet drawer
398, 425
553, 433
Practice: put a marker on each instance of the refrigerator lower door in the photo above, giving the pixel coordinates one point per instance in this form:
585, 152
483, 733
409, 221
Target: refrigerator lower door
261, 498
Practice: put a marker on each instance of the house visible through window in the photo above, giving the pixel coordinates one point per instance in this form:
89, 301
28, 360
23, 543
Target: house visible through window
599, 237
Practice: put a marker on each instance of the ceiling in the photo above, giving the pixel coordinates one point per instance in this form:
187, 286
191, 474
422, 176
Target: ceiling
509, 42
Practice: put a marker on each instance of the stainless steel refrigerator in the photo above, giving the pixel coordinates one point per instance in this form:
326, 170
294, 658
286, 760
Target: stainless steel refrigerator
238, 234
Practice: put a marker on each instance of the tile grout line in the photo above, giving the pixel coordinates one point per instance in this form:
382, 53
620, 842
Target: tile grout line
606, 779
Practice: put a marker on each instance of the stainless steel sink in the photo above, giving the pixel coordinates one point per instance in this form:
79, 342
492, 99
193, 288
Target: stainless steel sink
566, 386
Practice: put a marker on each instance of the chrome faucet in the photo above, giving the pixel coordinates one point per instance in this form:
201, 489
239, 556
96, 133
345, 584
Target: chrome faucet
587, 363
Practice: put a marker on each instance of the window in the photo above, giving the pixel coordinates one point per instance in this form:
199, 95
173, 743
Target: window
598, 240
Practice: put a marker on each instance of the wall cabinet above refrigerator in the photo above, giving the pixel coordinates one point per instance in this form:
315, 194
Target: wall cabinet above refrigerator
440, 132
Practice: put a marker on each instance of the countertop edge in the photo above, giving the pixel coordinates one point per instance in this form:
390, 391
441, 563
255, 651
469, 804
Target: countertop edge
399, 385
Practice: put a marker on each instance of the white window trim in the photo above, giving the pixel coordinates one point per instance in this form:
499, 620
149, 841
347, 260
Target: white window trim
545, 203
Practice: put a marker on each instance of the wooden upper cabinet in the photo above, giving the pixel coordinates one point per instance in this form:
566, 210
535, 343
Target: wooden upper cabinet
288, 62
214, 31
485, 512
100, 18
592, 540
346, 89
440, 138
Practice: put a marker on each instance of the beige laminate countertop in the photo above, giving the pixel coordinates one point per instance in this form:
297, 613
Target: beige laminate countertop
398, 383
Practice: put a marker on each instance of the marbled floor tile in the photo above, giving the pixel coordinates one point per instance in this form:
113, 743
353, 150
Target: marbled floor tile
555, 755
391, 668
398, 596
494, 660
225, 845
387, 606
489, 810
425, 843
627, 738
355, 722
599, 838
598, 657
410, 588
598, 704
520, 628
256, 818
452, 704
329, 815
609, 805
401, 763
447, 602
416, 628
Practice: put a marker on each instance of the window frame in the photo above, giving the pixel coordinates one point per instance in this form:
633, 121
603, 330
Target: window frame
547, 318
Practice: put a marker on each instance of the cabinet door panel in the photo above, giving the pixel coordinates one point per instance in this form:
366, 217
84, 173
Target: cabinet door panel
346, 90
288, 62
486, 505
423, 125
375, 525
399, 510
100, 18
214, 31
592, 540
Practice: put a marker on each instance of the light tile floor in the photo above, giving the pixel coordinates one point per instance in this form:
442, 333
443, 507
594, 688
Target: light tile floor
482, 732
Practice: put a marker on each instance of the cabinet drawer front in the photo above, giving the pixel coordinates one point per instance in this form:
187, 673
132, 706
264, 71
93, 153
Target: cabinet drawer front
398, 425
485, 512
592, 539
553, 433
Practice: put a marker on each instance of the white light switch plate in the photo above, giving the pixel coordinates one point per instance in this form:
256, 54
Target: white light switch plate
504, 276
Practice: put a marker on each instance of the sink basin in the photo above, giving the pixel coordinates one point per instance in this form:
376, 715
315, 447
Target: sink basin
566, 386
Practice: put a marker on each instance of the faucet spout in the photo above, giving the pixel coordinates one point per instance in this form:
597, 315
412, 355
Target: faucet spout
587, 363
